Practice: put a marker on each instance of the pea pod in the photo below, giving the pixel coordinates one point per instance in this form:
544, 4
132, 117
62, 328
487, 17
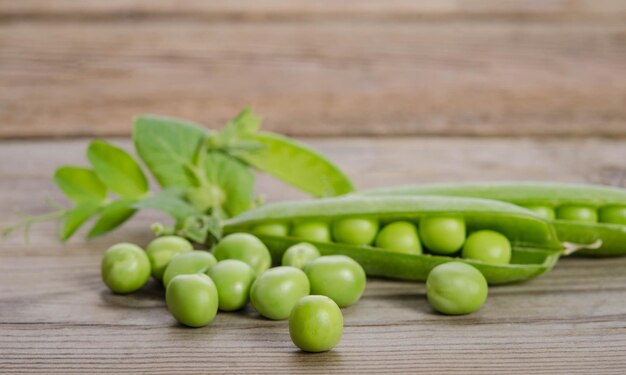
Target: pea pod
535, 245
597, 239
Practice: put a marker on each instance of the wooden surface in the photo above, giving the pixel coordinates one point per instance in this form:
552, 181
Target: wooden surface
483, 67
57, 317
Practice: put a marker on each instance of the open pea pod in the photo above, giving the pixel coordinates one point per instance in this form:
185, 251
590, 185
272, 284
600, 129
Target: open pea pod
601, 239
535, 246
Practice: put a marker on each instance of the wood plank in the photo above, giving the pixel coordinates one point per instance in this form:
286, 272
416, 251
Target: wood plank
569, 321
57, 317
326, 77
286, 9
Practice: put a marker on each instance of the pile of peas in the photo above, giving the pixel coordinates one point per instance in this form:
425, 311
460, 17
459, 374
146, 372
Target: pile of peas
582, 213
308, 289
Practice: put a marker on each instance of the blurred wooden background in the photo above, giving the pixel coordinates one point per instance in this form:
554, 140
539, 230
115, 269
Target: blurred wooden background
321, 68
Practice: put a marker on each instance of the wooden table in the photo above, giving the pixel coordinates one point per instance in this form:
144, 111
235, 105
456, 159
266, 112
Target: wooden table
56, 316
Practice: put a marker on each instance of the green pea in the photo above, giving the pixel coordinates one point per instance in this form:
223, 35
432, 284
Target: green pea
311, 231
315, 324
399, 237
191, 262
161, 251
276, 291
125, 268
442, 234
355, 231
246, 248
233, 279
336, 276
456, 288
192, 299
271, 229
584, 214
487, 246
544, 212
300, 254
613, 215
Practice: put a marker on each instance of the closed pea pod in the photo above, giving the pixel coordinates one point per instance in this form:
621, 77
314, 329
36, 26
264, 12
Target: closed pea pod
535, 247
590, 218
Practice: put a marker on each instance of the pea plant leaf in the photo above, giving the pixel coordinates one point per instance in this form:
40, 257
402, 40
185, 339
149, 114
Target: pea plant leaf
112, 216
230, 136
117, 169
295, 164
233, 178
172, 202
80, 184
77, 216
168, 147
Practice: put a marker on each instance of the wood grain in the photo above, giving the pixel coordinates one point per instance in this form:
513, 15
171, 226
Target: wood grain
303, 10
444, 68
57, 317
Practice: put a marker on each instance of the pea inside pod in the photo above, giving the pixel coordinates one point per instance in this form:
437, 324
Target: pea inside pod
534, 245
592, 217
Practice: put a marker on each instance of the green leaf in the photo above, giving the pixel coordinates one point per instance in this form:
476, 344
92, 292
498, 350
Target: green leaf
229, 137
112, 216
235, 180
117, 169
169, 147
296, 164
171, 202
77, 217
80, 184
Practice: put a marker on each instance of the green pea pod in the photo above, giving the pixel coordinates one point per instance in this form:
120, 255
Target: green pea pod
535, 245
596, 239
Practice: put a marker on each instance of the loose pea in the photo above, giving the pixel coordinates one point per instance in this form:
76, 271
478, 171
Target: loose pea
192, 299
246, 248
442, 234
271, 229
355, 231
161, 251
613, 215
315, 324
311, 231
400, 237
584, 214
543, 211
191, 262
456, 288
487, 246
300, 254
233, 279
336, 276
275, 292
125, 268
